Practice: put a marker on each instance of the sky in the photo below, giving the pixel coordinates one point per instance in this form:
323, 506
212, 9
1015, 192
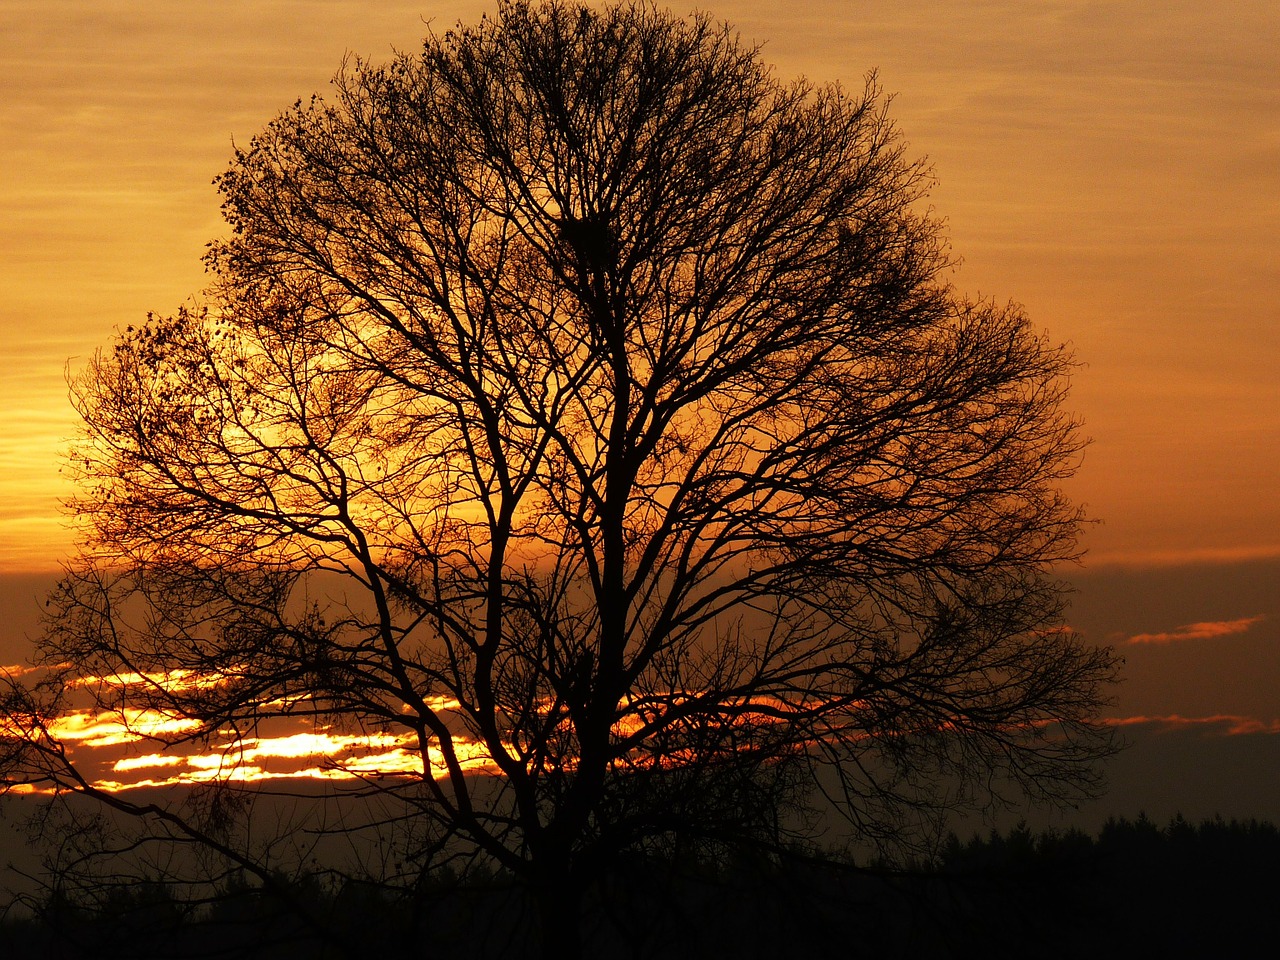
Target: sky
1115, 167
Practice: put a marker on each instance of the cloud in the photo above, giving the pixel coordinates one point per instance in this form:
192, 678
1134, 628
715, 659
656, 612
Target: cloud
1222, 724
1207, 630
1148, 559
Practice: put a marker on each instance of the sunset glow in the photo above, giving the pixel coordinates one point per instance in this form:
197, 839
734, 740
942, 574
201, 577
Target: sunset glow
325, 754
137, 747
1115, 168
1086, 156
116, 729
110, 741
322, 755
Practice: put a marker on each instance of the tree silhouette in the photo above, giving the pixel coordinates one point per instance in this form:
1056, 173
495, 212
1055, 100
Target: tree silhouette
586, 407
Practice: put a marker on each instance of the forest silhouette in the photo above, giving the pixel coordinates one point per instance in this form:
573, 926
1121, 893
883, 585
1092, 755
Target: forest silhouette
1135, 889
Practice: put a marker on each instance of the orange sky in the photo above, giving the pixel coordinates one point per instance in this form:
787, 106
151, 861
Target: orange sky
1113, 166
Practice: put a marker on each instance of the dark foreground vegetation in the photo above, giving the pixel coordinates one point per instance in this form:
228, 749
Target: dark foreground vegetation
1136, 889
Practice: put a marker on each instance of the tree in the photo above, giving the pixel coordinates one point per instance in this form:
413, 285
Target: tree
582, 403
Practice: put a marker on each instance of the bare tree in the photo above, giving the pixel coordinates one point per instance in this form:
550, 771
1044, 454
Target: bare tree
582, 402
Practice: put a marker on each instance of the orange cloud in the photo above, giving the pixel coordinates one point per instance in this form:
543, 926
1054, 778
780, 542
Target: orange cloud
1182, 557
283, 754
15, 670
117, 729
1228, 724
150, 760
173, 680
323, 756
1198, 631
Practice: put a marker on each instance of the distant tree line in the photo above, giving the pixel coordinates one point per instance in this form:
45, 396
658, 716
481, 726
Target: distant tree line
1135, 889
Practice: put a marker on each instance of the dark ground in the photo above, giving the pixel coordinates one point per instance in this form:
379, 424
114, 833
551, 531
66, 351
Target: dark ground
1136, 889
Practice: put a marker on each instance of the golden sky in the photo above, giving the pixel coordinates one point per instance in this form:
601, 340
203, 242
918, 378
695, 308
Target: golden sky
1115, 166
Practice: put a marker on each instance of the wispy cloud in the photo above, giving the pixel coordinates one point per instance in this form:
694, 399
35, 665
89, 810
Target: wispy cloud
1207, 630
1147, 559
1222, 724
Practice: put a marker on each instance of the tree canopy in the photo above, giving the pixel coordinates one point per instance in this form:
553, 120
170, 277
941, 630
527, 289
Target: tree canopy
592, 411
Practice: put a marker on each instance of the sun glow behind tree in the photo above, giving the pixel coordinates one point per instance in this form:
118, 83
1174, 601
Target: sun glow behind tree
134, 747
131, 746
